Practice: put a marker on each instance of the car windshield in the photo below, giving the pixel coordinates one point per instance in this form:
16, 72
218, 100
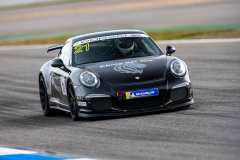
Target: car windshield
112, 49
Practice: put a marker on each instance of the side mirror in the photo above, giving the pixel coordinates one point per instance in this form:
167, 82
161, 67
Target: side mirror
57, 63
170, 50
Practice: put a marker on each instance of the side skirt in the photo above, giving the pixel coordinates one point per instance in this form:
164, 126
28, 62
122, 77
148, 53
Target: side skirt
55, 104
59, 108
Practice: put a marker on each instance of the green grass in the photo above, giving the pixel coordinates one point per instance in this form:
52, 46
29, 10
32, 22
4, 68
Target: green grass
156, 35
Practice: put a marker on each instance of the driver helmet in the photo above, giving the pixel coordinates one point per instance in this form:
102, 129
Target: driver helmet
125, 47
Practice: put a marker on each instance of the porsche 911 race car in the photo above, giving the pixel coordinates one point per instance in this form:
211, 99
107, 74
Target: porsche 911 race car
113, 73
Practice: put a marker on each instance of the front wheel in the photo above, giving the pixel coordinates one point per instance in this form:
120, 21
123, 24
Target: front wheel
72, 102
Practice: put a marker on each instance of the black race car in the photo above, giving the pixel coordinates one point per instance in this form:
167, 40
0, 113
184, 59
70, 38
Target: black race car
113, 73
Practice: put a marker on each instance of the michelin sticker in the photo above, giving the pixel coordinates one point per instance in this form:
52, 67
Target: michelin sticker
142, 93
63, 86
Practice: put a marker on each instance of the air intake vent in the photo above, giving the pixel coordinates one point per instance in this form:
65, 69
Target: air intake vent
178, 94
101, 104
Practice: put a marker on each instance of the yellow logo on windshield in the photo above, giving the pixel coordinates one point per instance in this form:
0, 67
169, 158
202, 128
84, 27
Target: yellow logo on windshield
80, 47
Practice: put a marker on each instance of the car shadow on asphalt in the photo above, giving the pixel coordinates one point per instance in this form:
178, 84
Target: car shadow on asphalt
39, 120
67, 115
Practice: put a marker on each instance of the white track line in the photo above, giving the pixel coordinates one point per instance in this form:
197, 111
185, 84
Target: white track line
199, 41
11, 151
2, 48
5, 151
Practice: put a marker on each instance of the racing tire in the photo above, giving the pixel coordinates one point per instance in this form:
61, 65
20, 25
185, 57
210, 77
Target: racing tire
72, 102
44, 98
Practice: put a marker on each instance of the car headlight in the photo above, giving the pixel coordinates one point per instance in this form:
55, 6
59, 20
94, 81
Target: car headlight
178, 68
88, 79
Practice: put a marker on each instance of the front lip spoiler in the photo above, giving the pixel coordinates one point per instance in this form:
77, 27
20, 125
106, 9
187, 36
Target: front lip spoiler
85, 115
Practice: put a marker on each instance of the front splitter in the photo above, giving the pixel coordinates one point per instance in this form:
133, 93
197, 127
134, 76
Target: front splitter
141, 111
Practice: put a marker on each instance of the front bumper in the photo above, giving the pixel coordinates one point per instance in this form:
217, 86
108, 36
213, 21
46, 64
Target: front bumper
102, 105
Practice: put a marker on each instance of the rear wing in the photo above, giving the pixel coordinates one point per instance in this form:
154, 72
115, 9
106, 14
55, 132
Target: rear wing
59, 46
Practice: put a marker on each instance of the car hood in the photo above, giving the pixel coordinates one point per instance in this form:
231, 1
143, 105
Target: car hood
130, 70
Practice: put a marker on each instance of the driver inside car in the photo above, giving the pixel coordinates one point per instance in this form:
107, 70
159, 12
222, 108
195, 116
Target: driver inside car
123, 49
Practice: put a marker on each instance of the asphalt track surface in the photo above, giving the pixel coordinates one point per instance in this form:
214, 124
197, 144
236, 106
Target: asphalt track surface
209, 129
117, 14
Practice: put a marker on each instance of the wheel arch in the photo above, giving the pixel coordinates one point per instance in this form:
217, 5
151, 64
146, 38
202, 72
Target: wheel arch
39, 75
68, 80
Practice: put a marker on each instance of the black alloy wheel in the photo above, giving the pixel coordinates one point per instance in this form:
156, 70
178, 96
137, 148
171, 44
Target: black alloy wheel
44, 98
72, 102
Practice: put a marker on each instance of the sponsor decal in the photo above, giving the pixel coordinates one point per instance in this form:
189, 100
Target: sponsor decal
121, 63
82, 103
116, 64
54, 84
79, 97
142, 93
132, 68
108, 37
149, 60
64, 91
57, 88
128, 67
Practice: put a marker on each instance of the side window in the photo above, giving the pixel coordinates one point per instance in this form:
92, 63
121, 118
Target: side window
65, 54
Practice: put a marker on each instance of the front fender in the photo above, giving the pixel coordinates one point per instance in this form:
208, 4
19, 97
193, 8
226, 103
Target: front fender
45, 71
